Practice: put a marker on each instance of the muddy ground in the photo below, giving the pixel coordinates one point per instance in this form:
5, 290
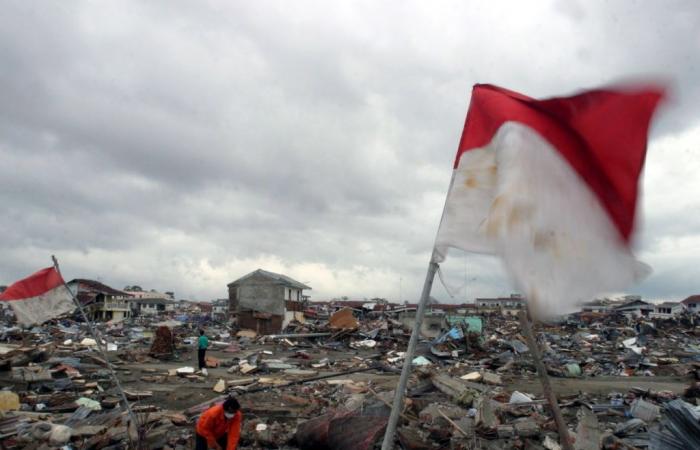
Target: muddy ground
178, 393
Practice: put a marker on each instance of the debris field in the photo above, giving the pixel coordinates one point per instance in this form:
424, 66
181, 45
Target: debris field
327, 383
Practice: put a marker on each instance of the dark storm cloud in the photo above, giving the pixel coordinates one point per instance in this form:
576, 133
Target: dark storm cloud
179, 145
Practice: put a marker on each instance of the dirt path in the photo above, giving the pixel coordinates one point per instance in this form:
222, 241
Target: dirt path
177, 393
601, 385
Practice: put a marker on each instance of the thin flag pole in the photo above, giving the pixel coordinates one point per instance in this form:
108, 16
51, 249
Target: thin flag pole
388, 443
544, 380
96, 337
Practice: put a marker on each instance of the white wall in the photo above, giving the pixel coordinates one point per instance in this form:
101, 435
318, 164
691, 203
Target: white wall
288, 317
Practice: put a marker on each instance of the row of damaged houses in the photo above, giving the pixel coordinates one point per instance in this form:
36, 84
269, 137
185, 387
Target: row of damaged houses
267, 302
635, 307
105, 303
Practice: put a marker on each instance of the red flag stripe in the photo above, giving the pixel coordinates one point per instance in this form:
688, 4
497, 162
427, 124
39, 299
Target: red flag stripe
601, 133
34, 285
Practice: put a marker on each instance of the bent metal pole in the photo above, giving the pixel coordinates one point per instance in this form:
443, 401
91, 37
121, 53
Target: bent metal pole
388, 443
100, 349
549, 394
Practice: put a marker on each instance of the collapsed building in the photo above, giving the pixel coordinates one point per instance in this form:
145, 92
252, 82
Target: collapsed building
265, 302
102, 302
624, 380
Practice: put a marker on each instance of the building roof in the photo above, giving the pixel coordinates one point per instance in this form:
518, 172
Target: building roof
88, 291
692, 299
278, 278
634, 304
667, 305
98, 287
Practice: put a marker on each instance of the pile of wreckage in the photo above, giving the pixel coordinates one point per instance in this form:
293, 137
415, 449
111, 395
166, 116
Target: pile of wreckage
328, 384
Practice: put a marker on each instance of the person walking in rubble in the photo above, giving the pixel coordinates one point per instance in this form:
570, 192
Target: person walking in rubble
219, 427
202, 345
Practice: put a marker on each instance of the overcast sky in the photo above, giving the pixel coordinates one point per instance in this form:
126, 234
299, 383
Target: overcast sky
181, 145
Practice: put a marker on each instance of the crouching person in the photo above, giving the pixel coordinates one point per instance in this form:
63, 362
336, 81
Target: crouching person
219, 427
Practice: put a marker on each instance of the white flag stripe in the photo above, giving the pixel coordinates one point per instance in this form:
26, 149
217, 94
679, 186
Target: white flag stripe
519, 199
39, 309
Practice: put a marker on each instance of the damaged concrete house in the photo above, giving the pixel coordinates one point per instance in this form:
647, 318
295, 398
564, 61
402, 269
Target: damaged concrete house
152, 306
265, 301
219, 309
507, 305
666, 310
102, 302
635, 308
692, 304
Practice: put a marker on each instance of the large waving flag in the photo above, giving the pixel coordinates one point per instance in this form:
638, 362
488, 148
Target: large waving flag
551, 187
39, 297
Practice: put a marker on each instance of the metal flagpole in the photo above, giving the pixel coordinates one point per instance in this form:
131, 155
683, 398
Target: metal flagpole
388, 443
96, 337
544, 379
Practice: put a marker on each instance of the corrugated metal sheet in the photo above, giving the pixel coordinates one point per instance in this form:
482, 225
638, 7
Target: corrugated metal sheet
341, 431
680, 428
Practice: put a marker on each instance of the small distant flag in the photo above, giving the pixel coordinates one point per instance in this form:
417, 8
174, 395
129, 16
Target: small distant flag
39, 297
551, 187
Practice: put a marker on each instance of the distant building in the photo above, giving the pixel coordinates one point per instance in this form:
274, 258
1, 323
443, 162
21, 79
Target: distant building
152, 306
101, 302
182, 305
432, 325
635, 308
666, 310
362, 308
219, 310
205, 308
265, 301
692, 304
507, 305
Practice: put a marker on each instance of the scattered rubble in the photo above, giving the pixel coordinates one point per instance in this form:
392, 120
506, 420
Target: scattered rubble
327, 383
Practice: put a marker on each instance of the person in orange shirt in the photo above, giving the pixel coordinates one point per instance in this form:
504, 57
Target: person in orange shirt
219, 427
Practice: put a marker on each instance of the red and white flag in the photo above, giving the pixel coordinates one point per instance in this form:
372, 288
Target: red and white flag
551, 187
39, 297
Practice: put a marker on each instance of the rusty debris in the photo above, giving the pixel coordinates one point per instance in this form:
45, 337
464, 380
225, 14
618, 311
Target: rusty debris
343, 320
162, 343
622, 382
